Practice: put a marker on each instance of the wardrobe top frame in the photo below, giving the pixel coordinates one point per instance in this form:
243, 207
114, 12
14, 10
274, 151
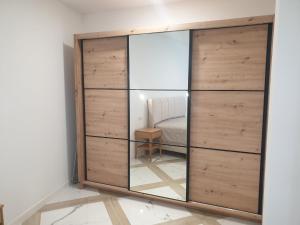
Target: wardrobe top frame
256, 20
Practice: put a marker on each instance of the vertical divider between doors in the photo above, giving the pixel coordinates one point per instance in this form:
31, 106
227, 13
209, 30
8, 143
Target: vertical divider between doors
128, 109
189, 114
265, 117
83, 101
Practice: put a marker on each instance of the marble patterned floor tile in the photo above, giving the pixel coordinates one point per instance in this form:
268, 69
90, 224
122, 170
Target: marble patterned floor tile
174, 170
141, 212
88, 214
107, 211
166, 192
71, 193
141, 176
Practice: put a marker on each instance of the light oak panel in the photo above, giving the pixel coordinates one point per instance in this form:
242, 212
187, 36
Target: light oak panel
107, 161
105, 63
229, 58
227, 179
230, 120
106, 113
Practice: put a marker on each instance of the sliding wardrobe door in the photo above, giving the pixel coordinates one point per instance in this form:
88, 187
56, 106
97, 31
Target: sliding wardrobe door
227, 112
106, 110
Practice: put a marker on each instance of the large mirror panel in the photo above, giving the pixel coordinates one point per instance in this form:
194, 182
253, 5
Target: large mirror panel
159, 60
158, 113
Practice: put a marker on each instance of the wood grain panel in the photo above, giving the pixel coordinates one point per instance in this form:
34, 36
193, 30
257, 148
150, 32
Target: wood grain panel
229, 58
106, 113
105, 63
107, 161
229, 120
227, 179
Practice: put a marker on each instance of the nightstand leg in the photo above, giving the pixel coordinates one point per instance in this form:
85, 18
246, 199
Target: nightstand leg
135, 150
150, 150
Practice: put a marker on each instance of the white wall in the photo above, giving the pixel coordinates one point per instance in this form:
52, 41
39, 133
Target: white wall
36, 97
176, 13
282, 184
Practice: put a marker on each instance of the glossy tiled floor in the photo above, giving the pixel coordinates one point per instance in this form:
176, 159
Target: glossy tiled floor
164, 176
72, 206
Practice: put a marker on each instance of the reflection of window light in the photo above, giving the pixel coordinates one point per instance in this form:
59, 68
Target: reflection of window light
142, 97
187, 94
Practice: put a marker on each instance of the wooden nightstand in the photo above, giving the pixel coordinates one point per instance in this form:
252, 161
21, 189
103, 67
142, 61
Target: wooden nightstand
1, 215
148, 135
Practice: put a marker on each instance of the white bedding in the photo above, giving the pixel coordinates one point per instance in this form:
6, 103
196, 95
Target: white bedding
173, 131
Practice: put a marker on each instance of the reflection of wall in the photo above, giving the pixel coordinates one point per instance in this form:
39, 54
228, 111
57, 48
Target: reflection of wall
159, 61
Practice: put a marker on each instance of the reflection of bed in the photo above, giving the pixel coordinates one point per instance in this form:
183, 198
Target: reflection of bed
173, 130
169, 114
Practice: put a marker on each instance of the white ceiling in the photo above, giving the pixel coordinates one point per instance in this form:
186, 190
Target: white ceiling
91, 6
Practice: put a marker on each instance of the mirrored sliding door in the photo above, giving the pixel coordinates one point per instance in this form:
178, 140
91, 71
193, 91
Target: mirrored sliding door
159, 97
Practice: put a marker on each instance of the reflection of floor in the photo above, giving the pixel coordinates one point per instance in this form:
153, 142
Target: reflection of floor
72, 206
165, 176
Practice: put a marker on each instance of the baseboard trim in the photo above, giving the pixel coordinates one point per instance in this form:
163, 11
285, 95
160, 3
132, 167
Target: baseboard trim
34, 208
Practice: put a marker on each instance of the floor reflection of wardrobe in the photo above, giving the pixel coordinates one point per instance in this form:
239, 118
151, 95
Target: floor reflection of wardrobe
228, 112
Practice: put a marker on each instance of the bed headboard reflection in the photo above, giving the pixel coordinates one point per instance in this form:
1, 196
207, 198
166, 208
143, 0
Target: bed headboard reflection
160, 109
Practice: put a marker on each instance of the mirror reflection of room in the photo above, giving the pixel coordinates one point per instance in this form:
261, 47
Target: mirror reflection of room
161, 110
158, 113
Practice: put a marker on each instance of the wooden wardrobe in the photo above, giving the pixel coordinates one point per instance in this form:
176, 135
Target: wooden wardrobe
229, 79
